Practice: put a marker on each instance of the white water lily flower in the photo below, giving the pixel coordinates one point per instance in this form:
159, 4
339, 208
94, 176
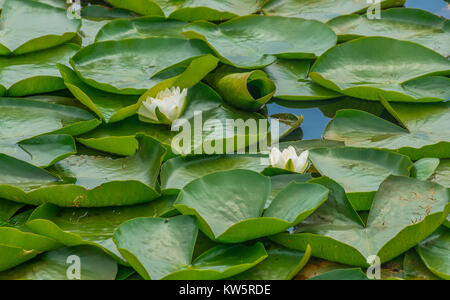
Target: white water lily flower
165, 108
289, 160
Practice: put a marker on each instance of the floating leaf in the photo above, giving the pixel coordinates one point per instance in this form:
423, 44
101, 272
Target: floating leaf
404, 212
92, 226
426, 134
424, 168
343, 274
377, 67
143, 7
177, 172
281, 264
293, 84
242, 89
17, 247
145, 27
34, 73
90, 181
21, 138
7, 210
271, 37
213, 137
410, 24
359, 171
210, 10
56, 265
230, 212
442, 174
162, 249
435, 252
323, 10
29, 26
133, 66
414, 269
109, 107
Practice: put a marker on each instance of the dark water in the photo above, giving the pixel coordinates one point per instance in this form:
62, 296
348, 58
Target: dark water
315, 121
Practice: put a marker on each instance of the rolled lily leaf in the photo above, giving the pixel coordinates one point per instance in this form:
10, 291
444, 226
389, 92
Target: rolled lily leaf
404, 212
47, 143
293, 84
56, 265
424, 136
41, 76
424, 168
101, 64
236, 213
281, 264
30, 26
89, 181
92, 226
275, 38
17, 247
363, 69
109, 107
435, 252
409, 24
177, 172
359, 171
322, 10
145, 27
242, 89
162, 249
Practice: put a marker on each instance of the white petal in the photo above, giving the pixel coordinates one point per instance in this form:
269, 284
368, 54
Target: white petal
302, 162
276, 159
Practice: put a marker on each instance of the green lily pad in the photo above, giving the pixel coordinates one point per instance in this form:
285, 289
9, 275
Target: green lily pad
145, 27
279, 182
92, 226
109, 107
242, 89
423, 137
442, 174
359, 171
119, 138
404, 212
177, 172
47, 143
271, 37
57, 265
293, 84
342, 274
89, 181
17, 247
162, 249
29, 26
210, 10
142, 7
230, 212
34, 73
377, 67
100, 12
435, 252
424, 168
409, 24
414, 268
281, 264
322, 10
133, 66
8, 209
